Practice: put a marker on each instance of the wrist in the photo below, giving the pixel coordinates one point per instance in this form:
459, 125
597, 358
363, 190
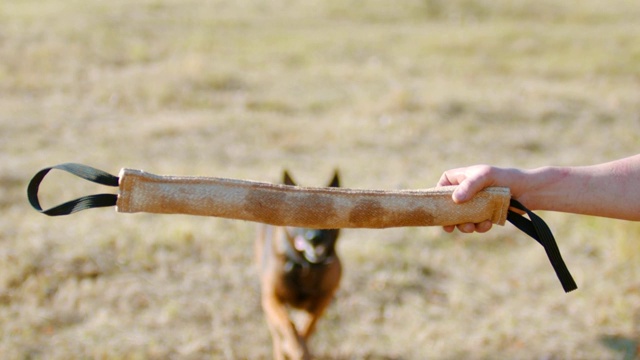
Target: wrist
538, 188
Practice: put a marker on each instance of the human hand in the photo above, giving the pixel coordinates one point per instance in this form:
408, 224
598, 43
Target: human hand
469, 181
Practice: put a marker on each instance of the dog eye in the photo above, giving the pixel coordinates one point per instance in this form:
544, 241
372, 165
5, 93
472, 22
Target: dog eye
310, 235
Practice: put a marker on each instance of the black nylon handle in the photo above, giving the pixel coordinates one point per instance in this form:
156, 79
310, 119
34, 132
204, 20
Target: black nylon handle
538, 229
82, 203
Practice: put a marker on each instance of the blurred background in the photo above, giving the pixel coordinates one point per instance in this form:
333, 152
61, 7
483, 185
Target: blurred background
390, 93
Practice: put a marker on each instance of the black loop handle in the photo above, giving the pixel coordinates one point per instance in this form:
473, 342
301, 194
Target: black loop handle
82, 203
538, 229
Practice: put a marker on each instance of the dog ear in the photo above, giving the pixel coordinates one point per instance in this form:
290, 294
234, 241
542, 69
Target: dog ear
335, 182
286, 179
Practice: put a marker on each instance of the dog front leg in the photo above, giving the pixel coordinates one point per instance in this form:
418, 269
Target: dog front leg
314, 314
287, 343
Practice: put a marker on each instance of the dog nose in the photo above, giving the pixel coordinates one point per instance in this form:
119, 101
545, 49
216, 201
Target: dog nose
310, 246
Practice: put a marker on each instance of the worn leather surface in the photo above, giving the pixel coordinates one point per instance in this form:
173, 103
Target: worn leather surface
320, 208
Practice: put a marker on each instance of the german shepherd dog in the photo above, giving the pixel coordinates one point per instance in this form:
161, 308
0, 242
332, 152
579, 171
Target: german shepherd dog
299, 269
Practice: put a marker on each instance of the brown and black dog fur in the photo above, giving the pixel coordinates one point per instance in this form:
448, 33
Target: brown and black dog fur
300, 269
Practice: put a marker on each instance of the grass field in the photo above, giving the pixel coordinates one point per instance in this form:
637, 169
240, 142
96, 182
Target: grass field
391, 93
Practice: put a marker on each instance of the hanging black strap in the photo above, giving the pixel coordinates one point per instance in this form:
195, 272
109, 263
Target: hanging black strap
82, 203
538, 229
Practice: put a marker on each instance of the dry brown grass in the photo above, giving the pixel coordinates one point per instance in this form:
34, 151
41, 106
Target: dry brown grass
392, 95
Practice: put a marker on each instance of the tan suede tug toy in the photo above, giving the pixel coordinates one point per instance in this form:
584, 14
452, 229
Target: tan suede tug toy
319, 208
283, 205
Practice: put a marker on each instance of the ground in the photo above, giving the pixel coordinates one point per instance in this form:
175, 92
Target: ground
390, 93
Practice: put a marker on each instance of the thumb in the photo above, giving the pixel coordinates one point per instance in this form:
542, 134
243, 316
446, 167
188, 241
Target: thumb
461, 193
467, 189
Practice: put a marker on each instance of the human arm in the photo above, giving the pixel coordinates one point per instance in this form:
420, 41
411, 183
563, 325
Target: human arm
610, 189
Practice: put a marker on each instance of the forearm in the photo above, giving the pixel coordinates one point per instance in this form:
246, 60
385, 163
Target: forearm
610, 189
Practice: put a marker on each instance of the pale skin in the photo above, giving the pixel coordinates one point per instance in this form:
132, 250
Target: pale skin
609, 189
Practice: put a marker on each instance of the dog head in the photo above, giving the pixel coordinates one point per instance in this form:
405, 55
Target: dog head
315, 245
